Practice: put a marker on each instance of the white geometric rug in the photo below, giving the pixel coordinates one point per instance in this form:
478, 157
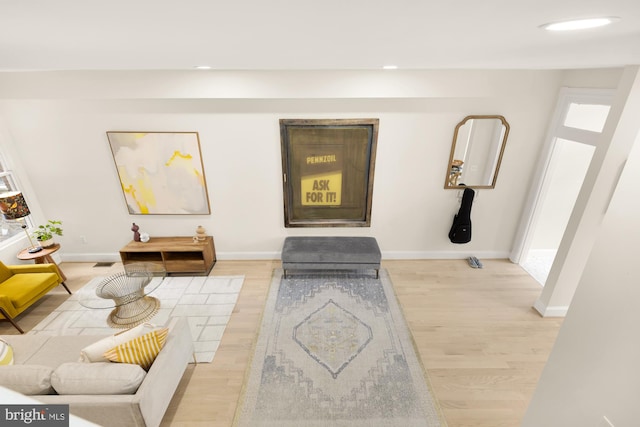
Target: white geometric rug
206, 301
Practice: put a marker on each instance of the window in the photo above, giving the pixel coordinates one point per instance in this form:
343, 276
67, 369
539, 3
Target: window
582, 119
9, 228
587, 116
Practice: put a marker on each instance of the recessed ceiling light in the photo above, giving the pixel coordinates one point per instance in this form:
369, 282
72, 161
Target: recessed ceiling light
580, 24
202, 67
390, 67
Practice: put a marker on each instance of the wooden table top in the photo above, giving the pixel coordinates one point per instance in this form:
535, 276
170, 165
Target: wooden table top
25, 255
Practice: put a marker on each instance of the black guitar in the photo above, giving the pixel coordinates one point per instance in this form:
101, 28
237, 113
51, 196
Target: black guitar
461, 228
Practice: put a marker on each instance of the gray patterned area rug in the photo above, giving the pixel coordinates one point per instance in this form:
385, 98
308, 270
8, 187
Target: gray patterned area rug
335, 351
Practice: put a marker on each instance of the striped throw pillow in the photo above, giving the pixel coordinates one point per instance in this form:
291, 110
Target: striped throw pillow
141, 351
6, 353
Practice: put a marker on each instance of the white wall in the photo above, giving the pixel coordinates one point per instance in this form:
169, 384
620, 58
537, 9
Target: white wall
593, 369
57, 123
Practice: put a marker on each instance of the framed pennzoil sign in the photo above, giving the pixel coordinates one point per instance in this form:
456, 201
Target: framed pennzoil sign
328, 168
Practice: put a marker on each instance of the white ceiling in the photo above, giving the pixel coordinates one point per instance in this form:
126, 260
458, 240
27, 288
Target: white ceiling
303, 34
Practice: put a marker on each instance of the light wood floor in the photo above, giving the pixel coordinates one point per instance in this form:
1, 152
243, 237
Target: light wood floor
482, 344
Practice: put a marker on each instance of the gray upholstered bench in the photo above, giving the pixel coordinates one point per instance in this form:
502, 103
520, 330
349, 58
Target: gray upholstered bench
330, 253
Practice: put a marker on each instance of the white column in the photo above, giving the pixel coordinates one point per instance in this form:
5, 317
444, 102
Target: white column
593, 370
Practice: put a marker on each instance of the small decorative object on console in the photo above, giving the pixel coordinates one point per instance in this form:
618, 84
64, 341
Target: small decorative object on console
201, 234
136, 233
144, 237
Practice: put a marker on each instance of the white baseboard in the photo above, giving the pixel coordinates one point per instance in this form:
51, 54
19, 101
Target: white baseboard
550, 311
230, 256
93, 257
385, 255
443, 255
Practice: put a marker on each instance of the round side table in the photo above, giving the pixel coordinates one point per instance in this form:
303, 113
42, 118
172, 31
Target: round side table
43, 257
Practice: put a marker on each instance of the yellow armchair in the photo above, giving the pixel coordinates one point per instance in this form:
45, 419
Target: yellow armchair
23, 285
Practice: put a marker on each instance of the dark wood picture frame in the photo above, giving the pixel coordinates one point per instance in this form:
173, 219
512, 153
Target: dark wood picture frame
327, 171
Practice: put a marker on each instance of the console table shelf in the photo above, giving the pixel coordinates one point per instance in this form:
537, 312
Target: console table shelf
178, 255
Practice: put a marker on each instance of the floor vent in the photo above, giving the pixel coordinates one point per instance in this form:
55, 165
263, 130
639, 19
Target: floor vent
104, 264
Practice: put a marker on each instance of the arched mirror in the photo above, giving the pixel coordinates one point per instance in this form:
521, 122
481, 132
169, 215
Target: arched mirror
476, 152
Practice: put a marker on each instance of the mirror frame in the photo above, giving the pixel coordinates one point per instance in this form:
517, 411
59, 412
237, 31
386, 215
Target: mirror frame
447, 186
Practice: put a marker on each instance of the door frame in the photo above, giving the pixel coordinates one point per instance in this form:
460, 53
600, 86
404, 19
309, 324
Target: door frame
541, 180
